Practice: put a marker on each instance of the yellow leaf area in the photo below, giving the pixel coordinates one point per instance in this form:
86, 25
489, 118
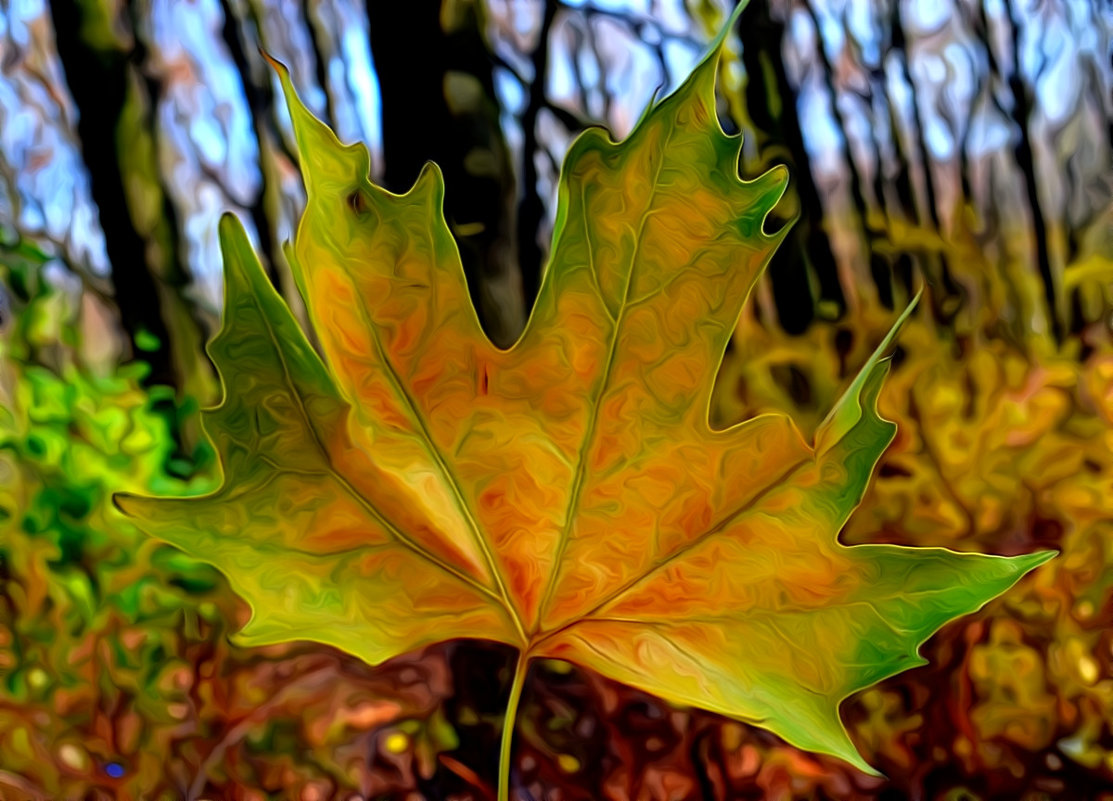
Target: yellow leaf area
566, 496
997, 449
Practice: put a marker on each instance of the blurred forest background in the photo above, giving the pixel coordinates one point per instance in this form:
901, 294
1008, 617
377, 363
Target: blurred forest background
966, 145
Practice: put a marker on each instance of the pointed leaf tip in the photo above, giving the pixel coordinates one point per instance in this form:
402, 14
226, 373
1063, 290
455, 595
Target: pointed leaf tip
122, 501
235, 246
703, 74
849, 409
322, 157
1030, 561
275, 64
729, 25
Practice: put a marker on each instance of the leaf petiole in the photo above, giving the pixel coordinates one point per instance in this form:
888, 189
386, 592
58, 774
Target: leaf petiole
520, 671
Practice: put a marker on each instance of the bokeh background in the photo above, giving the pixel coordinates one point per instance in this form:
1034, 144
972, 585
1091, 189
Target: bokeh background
963, 145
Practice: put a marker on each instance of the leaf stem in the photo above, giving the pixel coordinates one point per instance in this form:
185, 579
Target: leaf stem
520, 671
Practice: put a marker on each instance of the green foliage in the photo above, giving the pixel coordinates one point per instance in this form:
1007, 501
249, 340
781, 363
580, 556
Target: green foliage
114, 656
90, 614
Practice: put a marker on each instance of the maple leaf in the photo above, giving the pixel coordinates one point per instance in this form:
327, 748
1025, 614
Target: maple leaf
566, 496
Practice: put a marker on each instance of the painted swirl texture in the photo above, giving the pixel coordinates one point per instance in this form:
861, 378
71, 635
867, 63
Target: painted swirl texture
566, 496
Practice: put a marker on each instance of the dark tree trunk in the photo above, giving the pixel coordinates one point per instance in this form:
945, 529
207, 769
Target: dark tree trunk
431, 111
260, 100
98, 79
1019, 103
855, 176
946, 299
1025, 159
531, 208
115, 102
779, 135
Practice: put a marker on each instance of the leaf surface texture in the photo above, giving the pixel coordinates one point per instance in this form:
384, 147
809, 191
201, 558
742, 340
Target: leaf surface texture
566, 496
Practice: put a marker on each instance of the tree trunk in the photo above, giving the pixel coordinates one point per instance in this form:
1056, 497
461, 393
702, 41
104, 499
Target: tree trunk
115, 102
438, 105
1026, 161
946, 296
771, 107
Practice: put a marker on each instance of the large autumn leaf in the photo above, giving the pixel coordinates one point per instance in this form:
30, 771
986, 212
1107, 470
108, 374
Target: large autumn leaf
566, 496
